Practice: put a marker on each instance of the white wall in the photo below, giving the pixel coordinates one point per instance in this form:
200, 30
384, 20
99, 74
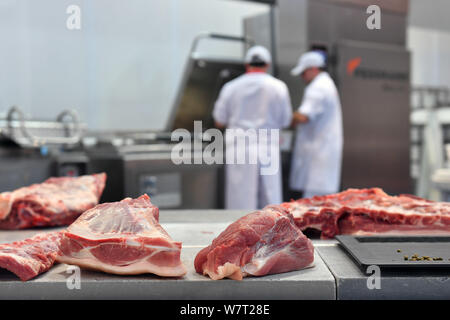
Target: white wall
428, 39
121, 70
430, 56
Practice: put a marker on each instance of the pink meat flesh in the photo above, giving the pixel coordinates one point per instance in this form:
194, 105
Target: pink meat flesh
30, 257
370, 211
55, 202
260, 243
122, 238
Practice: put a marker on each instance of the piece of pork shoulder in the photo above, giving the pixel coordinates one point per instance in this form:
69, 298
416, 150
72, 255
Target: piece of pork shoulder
30, 257
55, 202
122, 238
263, 242
369, 212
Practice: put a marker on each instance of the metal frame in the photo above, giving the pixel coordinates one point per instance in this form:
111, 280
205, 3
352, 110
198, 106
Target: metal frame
428, 98
192, 58
19, 130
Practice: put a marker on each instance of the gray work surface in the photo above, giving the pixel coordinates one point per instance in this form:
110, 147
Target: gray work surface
189, 227
334, 275
352, 281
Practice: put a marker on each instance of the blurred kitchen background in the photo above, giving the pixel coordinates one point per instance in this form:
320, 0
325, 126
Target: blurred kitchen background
137, 70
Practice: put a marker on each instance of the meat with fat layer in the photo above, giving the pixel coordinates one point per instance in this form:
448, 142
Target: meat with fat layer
30, 257
260, 243
122, 238
55, 202
370, 211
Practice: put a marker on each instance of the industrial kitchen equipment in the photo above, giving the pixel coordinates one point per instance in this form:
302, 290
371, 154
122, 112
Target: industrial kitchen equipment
32, 150
430, 138
141, 162
138, 163
203, 77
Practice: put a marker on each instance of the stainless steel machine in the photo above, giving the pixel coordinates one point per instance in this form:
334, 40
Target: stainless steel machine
141, 162
370, 68
135, 162
203, 77
31, 150
138, 163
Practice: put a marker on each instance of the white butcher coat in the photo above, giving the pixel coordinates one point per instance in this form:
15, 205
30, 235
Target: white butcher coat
317, 156
252, 101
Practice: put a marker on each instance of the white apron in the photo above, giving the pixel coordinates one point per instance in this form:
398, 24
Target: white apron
247, 187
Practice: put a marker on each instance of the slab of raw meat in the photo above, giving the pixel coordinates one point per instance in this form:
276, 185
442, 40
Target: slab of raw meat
122, 238
30, 257
370, 211
55, 202
260, 243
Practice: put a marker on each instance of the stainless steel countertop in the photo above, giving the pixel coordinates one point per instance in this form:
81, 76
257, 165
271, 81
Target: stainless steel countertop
352, 281
185, 226
334, 275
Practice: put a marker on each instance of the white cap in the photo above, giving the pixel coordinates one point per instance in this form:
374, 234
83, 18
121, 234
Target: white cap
308, 60
258, 54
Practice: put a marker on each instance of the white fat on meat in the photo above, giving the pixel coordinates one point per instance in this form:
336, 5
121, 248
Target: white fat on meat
122, 238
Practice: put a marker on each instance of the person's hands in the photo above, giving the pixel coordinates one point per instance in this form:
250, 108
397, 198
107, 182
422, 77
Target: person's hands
219, 125
298, 118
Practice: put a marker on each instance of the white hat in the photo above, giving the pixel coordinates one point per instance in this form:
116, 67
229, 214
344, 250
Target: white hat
308, 60
258, 54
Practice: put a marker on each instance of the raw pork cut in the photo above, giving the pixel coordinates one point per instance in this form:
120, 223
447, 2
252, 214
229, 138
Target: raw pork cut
122, 238
260, 243
55, 202
30, 257
370, 211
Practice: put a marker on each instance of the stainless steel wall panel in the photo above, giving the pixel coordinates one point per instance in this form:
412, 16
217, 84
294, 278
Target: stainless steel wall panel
291, 36
375, 104
331, 22
397, 6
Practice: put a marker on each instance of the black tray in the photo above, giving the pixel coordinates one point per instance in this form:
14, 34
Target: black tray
383, 251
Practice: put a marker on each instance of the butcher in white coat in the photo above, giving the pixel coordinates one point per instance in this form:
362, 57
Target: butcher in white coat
317, 155
251, 102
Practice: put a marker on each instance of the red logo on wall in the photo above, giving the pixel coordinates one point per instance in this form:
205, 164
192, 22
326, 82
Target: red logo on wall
352, 64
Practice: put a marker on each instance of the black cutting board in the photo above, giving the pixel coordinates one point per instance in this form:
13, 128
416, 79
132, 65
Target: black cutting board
390, 251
